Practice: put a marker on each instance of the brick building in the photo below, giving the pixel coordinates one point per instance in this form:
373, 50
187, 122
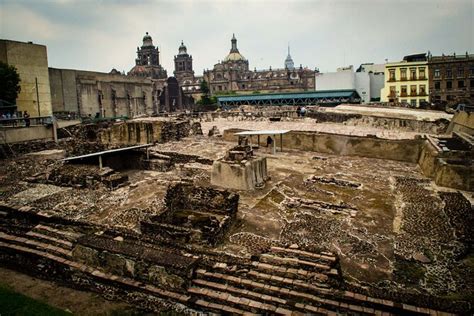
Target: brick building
451, 79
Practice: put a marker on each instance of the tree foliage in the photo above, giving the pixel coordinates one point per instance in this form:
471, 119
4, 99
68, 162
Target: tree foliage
9, 83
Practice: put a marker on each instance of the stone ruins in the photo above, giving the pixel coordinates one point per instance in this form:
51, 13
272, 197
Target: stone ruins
360, 213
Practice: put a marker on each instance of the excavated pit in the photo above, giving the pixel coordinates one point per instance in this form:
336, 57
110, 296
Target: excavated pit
325, 233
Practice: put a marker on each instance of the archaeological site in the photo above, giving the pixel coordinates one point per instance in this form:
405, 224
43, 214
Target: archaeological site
351, 210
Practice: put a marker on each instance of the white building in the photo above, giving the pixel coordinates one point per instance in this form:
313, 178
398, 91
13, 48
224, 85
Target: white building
368, 80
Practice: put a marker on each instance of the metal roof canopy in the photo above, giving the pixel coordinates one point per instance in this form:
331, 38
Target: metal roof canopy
100, 153
266, 132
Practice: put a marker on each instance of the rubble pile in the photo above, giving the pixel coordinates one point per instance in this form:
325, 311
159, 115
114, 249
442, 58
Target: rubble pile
331, 180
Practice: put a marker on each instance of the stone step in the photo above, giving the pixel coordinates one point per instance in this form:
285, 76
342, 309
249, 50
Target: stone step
260, 297
58, 242
305, 255
297, 263
219, 307
164, 294
35, 244
302, 291
57, 233
291, 273
240, 302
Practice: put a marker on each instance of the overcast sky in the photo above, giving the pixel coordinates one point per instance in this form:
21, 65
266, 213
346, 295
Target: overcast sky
103, 34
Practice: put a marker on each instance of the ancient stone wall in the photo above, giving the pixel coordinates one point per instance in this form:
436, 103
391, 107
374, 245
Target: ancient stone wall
240, 175
436, 127
335, 144
448, 167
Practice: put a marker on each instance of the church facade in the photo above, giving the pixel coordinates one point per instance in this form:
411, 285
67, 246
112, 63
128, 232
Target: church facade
233, 75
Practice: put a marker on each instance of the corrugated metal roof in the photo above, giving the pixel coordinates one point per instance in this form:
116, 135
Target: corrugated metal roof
99, 153
303, 95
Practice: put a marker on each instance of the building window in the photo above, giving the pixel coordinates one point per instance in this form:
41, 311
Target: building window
437, 73
471, 72
461, 84
449, 73
422, 89
460, 72
437, 85
412, 73
392, 92
472, 83
422, 73
403, 91
403, 101
450, 98
243, 86
220, 88
403, 74
413, 102
449, 85
413, 90
391, 75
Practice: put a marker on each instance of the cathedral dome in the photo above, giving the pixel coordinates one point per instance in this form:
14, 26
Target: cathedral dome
234, 57
234, 54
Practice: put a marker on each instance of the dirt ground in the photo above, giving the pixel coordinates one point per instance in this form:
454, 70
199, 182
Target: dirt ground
65, 298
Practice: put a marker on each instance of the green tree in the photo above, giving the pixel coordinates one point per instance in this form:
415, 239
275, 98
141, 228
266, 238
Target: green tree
9, 83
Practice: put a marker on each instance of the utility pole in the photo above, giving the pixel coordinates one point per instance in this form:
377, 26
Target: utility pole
37, 96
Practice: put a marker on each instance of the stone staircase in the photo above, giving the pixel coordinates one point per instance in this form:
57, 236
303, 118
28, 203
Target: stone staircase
282, 281
286, 282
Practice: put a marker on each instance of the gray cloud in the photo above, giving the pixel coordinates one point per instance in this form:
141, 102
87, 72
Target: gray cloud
100, 35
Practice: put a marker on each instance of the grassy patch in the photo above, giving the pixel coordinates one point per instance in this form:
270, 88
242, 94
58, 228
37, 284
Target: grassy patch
12, 303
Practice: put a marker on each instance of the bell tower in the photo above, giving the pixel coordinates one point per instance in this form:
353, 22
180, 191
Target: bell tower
183, 64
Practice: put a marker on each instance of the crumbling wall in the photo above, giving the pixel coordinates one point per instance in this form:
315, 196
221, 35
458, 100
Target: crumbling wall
345, 145
134, 259
193, 214
448, 168
144, 132
392, 123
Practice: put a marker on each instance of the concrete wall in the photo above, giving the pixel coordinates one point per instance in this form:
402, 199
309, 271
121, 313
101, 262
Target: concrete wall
345, 79
63, 90
401, 150
462, 122
31, 62
88, 93
23, 134
377, 81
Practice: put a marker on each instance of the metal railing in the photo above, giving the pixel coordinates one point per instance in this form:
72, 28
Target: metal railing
24, 122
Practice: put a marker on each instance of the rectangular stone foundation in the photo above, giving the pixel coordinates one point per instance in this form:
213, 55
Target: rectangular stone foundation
240, 176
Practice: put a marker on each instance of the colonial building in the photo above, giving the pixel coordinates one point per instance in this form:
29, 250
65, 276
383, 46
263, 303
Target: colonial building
184, 73
147, 63
406, 82
233, 75
451, 79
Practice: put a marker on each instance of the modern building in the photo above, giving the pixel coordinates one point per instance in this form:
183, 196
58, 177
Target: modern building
451, 79
31, 62
367, 81
406, 82
233, 75
147, 63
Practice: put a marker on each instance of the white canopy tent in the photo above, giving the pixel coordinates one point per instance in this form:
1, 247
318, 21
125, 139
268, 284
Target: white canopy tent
266, 133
